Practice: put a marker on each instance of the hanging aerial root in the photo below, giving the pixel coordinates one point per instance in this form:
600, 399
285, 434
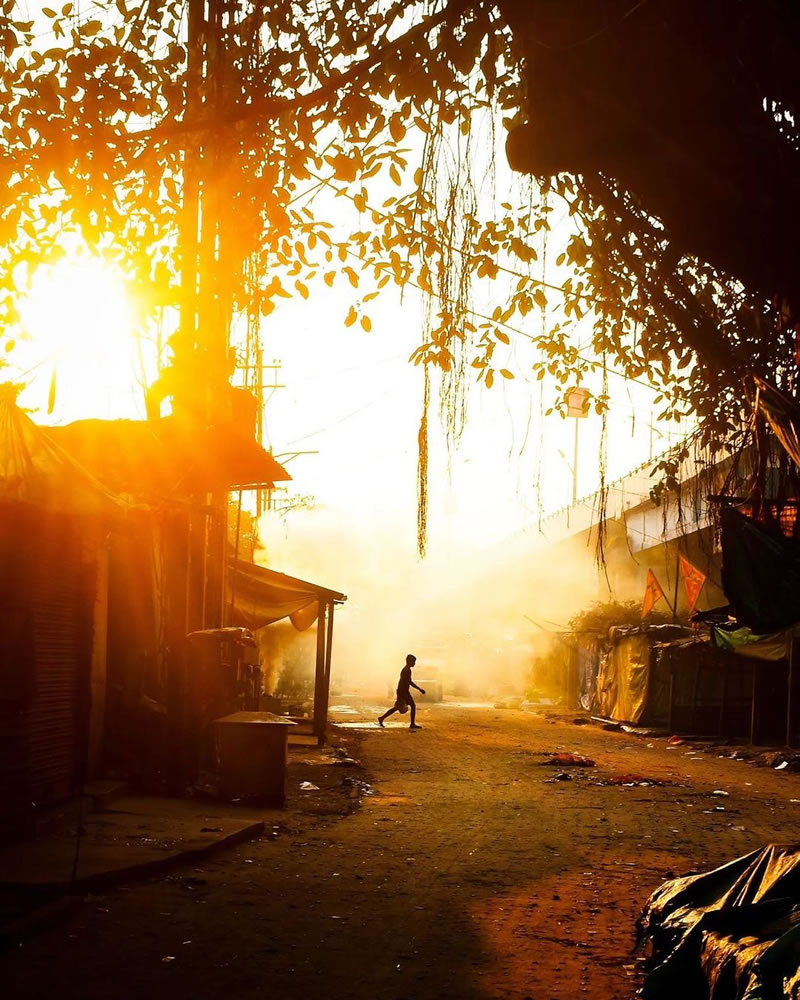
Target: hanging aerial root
422, 468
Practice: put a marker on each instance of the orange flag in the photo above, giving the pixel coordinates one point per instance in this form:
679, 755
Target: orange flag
693, 581
652, 593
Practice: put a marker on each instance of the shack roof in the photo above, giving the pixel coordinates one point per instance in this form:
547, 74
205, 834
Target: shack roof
35, 470
166, 458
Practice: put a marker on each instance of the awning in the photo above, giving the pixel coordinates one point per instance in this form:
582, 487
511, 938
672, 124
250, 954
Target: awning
260, 596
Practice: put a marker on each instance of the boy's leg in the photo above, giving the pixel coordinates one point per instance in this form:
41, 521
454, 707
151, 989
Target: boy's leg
413, 706
385, 716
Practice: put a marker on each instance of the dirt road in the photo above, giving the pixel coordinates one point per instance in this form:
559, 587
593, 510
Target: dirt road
468, 874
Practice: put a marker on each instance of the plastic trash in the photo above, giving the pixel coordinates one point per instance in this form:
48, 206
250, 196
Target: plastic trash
308, 786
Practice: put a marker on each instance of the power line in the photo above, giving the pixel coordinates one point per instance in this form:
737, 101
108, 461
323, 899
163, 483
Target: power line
347, 416
523, 333
449, 246
602, 30
505, 270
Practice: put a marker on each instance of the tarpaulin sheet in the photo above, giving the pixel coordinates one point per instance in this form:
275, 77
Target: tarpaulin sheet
261, 596
623, 679
729, 934
760, 573
783, 416
759, 647
587, 652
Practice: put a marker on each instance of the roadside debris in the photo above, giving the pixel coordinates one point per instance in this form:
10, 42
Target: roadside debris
308, 786
568, 760
562, 776
629, 780
356, 788
720, 793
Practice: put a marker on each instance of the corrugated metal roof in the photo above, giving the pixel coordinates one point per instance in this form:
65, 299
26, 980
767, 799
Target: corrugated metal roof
35, 470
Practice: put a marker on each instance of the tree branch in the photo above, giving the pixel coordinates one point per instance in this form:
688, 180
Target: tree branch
270, 107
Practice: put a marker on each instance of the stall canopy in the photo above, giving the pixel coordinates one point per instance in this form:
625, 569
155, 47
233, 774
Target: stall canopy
260, 596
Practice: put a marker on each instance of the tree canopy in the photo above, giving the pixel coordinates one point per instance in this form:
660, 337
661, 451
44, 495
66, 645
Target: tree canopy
668, 131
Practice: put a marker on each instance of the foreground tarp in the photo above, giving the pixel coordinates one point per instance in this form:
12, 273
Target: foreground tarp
729, 934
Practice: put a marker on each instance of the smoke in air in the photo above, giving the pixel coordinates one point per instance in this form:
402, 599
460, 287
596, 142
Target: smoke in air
479, 619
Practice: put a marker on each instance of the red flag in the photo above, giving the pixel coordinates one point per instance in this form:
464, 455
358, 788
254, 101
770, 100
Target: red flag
693, 581
652, 593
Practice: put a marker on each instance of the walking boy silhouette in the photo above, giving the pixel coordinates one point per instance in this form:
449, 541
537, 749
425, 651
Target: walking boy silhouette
404, 701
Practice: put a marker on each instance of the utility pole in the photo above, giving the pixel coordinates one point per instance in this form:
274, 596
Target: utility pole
201, 367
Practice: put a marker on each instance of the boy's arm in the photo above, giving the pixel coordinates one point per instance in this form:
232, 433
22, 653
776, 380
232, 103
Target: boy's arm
421, 690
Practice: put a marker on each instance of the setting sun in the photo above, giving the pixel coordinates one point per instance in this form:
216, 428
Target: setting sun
78, 334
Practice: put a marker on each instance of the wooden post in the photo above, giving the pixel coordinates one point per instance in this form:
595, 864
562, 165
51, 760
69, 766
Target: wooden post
326, 692
671, 711
791, 701
675, 594
697, 668
320, 719
723, 707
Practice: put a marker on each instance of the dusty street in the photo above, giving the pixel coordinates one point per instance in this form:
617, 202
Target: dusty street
468, 873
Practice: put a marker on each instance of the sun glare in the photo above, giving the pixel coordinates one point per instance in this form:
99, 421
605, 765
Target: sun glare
78, 335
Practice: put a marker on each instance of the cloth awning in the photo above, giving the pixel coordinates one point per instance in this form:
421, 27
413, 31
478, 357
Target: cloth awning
260, 596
